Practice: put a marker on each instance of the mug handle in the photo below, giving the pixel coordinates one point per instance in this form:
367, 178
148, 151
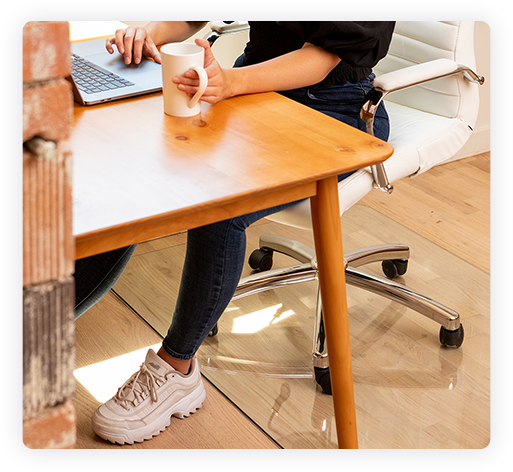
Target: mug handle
203, 78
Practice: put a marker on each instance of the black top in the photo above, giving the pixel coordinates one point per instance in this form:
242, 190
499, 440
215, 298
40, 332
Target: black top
360, 44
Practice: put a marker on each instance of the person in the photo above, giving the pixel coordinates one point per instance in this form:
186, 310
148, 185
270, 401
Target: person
323, 65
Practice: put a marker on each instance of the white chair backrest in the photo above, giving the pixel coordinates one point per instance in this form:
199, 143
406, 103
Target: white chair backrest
429, 122
415, 42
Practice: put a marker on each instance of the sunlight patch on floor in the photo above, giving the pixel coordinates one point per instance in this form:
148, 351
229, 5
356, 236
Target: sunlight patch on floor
253, 322
103, 379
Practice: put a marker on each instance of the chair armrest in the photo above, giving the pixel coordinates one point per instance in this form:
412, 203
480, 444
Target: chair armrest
399, 80
421, 73
234, 27
220, 28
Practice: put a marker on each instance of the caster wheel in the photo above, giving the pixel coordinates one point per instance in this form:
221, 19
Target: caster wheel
394, 268
322, 377
214, 331
451, 338
261, 259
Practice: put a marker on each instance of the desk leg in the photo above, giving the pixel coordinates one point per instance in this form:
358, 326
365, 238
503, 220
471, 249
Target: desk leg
330, 260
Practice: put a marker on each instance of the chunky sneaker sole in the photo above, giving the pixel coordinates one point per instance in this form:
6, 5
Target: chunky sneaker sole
144, 405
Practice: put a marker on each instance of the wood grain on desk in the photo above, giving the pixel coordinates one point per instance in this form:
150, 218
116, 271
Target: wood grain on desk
140, 174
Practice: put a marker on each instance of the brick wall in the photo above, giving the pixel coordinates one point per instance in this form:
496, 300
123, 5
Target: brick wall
48, 246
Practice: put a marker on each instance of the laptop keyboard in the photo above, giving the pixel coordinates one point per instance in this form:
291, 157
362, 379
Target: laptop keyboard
91, 78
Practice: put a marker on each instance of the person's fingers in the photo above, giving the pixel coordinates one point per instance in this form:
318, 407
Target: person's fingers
128, 42
108, 44
133, 43
210, 95
138, 44
155, 53
118, 40
209, 56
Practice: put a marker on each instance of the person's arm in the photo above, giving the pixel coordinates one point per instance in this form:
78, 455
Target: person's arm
136, 42
301, 68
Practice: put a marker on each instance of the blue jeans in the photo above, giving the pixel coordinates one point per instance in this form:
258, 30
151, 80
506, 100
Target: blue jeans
215, 253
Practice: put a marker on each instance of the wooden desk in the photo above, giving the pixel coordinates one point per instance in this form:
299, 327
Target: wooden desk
140, 174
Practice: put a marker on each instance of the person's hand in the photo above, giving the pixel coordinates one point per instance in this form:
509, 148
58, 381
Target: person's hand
134, 43
219, 85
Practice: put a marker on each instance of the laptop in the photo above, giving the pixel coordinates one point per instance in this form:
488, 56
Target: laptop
99, 77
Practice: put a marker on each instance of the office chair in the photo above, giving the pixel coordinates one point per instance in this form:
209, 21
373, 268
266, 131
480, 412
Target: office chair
429, 87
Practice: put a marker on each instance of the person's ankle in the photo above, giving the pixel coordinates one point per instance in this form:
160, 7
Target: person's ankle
177, 364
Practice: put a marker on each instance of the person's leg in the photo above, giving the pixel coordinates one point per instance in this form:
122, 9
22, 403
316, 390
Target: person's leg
95, 276
215, 253
171, 385
212, 269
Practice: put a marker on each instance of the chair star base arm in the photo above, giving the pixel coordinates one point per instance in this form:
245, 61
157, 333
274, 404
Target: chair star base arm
407, 297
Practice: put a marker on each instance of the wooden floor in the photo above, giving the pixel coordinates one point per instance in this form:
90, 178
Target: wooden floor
410, 392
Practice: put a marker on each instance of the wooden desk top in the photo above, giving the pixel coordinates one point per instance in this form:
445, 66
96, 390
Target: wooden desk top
140, 174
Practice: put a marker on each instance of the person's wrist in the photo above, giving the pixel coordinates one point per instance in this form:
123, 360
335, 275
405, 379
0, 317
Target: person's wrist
234, 82
152, 30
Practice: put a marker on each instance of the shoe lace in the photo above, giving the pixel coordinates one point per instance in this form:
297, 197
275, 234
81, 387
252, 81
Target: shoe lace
137, 388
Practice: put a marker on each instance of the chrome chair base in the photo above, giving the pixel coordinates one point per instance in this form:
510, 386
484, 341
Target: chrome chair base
394, 260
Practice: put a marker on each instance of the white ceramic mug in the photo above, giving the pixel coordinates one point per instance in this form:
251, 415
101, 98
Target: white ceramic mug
177, 58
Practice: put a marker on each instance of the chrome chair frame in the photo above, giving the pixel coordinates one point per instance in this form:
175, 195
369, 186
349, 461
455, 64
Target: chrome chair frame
451, 330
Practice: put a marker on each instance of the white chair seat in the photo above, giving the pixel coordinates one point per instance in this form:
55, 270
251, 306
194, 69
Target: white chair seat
433, 137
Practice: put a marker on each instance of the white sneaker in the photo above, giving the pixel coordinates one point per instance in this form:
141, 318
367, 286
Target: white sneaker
143, 406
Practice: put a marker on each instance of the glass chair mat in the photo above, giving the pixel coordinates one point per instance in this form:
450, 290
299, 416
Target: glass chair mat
410, 392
